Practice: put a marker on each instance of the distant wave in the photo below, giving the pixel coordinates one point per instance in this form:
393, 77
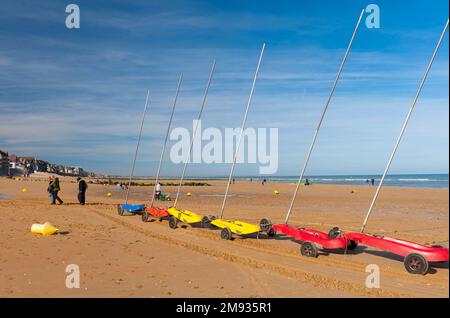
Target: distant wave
414, 180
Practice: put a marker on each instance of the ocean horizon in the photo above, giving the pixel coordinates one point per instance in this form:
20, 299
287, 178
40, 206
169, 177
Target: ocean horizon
436, 180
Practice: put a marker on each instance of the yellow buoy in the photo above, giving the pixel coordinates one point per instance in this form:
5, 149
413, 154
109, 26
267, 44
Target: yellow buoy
109, 194
44, 229
188, 194
276, 192
24, 190
17, 179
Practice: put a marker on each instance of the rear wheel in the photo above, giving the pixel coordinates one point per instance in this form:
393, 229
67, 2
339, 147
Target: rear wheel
265, 225
226, 234
308, 249
205, 221
144, 216
272, 233
119, 210
416, 264
173, 222
352, 245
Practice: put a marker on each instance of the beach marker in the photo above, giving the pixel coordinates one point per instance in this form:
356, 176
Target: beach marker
44, 229
17, 179
276, 192
188, 194
24, 190
109, 194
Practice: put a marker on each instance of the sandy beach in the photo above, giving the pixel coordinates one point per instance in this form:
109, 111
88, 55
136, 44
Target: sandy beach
125, 257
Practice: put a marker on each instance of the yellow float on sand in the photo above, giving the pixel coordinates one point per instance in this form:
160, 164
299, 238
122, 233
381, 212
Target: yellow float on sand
44, 229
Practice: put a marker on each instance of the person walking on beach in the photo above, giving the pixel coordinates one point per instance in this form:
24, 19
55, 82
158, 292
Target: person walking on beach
158, 191
49, 188
82, 187
372, 181
264, 181
54, 189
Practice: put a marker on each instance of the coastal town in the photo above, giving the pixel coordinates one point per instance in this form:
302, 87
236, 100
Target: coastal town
12, 165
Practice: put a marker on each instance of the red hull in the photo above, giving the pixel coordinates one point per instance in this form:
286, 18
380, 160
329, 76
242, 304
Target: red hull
400, 247
310, 235
157, 212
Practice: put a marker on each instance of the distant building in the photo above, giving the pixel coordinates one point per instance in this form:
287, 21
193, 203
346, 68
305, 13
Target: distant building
24, 166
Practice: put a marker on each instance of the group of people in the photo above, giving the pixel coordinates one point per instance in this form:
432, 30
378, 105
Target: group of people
54, 187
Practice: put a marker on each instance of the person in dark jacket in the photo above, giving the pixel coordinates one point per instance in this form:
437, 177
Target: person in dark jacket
55, 188
82, 187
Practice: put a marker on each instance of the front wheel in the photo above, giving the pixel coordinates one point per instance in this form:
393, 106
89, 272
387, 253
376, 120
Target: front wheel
144, 216
309, 249
119, 210
335, 232
416, 264
173, 222
226, 234
265, 225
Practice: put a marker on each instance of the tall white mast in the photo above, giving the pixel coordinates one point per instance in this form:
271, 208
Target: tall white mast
408, 116
311, 146
137, 146
194, 133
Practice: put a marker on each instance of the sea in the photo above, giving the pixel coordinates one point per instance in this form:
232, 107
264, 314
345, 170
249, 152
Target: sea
394, 180
439, 180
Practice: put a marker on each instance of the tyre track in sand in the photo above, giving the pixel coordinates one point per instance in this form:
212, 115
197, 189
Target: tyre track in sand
261, 245
317, 280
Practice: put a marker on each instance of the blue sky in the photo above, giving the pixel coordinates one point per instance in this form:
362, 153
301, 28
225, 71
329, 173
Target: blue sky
75, 96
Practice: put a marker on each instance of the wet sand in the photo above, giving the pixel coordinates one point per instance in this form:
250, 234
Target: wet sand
125, 257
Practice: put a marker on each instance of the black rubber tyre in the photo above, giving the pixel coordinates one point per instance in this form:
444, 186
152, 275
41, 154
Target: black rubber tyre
352, 245
173, 222
205, 221
265, 225
416, 264
119, 210
335, 232
144, 216
226, 234
308, 249
272, 233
